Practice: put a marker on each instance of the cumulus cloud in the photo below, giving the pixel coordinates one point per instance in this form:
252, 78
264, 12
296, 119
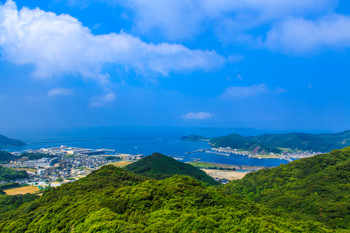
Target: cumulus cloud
59, 92
297, 35
198, 116
249, 91
59, 44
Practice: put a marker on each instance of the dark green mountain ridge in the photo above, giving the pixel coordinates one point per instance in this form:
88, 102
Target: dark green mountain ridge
296, 141
159, 166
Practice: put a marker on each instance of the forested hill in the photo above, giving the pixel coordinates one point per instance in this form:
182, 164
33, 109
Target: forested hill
294, 141
159, 166
8, 142
114, 200
8, 174
316, 188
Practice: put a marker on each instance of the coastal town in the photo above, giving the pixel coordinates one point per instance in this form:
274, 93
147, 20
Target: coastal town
63, 164
286, 155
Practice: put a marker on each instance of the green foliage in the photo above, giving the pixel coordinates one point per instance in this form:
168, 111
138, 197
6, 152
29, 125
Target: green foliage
315, 188
8, 142
114, 200
34, 156
160, 166
6, 157
8, 203
295, 141
9, 185
112, 158
7, 174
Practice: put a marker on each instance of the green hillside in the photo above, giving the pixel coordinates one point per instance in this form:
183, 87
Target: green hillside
295, 141
160, 166
8, 142
6, 157
316, 188
7, 174
114, 200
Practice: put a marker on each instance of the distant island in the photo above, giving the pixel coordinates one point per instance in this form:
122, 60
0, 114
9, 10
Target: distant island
194, 138
284, 143
8, 142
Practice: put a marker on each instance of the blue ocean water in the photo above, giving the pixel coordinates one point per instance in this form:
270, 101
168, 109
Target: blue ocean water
143, 140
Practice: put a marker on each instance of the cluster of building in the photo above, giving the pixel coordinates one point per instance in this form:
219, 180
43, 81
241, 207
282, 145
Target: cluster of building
285, 155
64, 150
67, 163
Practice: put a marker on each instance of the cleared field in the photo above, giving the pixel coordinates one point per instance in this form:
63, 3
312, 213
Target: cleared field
121, 163
203, 164
22, 190
225, 174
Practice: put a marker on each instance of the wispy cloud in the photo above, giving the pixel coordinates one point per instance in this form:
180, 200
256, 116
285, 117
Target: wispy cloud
198, 116
298, 35
169, 17
59, 92
103, 100
249, 91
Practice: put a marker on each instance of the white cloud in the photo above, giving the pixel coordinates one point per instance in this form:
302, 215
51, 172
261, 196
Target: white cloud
59, 92
198, 116
248, 91
59, 44
102, 100
297, 35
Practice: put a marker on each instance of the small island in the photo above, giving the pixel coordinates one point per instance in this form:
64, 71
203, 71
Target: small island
194, 138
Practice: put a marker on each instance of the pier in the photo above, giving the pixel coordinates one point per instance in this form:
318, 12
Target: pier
197, 151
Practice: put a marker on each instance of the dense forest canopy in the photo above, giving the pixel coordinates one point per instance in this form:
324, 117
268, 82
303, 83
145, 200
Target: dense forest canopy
114, 200
316, 188
8, 174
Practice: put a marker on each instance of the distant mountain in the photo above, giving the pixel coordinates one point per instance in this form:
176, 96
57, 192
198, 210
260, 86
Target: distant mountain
8, 142
194, 138
159, 166
295, 141
315, 188
114, 200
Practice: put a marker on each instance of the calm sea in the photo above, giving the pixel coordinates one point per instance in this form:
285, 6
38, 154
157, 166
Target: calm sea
142, 140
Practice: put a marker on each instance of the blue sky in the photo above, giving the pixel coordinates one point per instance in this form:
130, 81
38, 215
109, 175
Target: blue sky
266, 64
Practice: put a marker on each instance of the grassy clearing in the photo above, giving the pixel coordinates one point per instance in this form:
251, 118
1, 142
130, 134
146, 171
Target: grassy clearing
121, 163
25, 169
203, 165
